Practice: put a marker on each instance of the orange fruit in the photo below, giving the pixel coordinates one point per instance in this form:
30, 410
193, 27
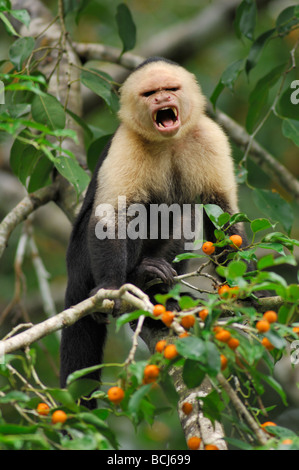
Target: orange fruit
160, 346
116, 395
187, 407
287, 442
223, 336
216, 329
263, 326
296, 329
188, 321
151, 372
236, 240
267, 423
170, 351
233, 343
193, 443
267, 344
167, 318
270, 316
158, 310
208, 248
184, 334
211, 447
234, 291
203, 314
224, 361
224, 291
43, 409
59, 416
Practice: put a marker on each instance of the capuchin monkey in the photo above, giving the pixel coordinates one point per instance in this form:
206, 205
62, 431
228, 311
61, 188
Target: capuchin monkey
166, 150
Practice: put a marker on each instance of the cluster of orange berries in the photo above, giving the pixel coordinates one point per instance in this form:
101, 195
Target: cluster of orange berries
209, 248
194, 442
224, 336
59, 416
226, 292
263, 326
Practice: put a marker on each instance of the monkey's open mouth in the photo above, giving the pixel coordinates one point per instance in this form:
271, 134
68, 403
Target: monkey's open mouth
166, 119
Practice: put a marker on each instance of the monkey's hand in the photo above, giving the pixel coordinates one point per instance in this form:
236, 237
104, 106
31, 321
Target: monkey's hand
117, 302
150, 268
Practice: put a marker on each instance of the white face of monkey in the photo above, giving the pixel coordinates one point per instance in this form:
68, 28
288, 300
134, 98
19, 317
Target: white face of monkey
161, 100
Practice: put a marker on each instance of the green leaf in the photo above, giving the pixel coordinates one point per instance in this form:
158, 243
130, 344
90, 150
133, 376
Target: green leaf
128, 317
260, 224
275, 338
239, 217
82, 372
276, 386
272, 204
100, 425
20, 50
72, 171
100, 83
186, 302
14, 396
193, 373
259, 96
47, 110
137, 397
228, 78
213, 211
64, 397
287, 105
205, 352
213, 406
272, 246
22, 16
286, 20
5, 5
126, 27
82, 387
279, 237
95, 150
239, 444
191, 348
236, 269
257, 48
16, 429
223, 219
269, 260
8, 26
40, 175
183, 256
245, 19
290, 129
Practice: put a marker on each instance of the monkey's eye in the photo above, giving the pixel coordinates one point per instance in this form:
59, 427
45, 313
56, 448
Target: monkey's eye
148, 93
172, 89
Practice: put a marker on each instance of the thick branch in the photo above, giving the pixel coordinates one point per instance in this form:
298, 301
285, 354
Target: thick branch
29, 204
259, 155
101, 301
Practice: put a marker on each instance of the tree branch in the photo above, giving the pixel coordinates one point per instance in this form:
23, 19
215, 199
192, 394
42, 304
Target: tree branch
258, 154
25, 207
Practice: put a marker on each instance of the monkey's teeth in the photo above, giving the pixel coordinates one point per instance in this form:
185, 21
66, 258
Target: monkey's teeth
175, 112
155, 116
